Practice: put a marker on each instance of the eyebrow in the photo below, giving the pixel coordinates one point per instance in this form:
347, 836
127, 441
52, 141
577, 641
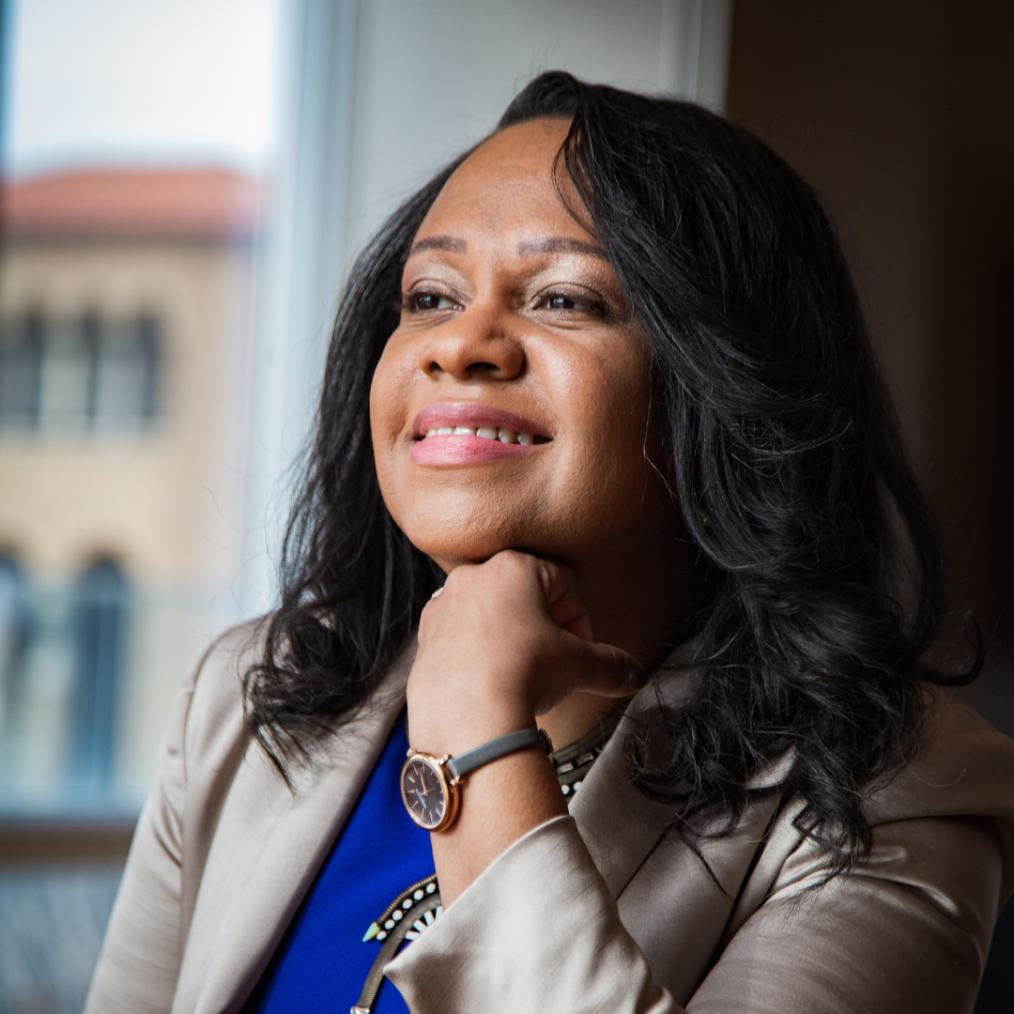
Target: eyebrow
559, 244
548, 244
438, 243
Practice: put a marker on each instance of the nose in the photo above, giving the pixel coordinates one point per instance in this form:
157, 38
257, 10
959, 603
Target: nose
478, 343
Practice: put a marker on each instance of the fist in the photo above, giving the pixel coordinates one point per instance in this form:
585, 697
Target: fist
504, 642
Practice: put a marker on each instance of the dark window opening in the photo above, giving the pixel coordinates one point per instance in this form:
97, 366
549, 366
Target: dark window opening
91, 336
15, 629
21, 350
149, 338
100, 641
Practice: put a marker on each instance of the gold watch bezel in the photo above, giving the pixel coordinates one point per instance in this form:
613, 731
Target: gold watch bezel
449, 786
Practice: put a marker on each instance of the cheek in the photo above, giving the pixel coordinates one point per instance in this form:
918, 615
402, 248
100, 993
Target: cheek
609, 398
600, 487
388, 417
386, 396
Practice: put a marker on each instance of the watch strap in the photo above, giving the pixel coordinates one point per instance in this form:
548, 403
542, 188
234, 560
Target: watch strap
525, 739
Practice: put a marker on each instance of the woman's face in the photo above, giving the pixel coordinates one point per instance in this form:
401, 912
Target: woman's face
510, 406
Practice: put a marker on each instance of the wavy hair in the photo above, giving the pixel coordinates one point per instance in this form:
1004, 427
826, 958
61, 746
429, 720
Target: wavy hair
823, 579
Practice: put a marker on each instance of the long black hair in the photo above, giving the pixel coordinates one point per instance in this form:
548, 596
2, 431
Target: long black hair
823, 579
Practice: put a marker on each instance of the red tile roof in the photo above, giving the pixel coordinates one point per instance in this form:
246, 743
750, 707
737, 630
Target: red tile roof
188, 203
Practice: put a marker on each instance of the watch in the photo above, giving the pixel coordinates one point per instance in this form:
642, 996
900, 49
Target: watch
431, 786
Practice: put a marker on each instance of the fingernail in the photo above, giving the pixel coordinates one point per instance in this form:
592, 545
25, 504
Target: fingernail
638, 676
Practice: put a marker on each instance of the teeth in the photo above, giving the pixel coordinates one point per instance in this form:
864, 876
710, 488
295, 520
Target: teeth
486, 432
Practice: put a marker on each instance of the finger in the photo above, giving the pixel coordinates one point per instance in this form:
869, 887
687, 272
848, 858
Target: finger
606, 670
426, 617
564, 601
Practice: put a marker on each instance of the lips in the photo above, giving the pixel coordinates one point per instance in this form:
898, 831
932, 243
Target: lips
461, 433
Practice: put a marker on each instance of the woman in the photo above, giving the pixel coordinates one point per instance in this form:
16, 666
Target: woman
607, 373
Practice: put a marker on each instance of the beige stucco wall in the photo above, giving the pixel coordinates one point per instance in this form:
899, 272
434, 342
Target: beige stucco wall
166, 503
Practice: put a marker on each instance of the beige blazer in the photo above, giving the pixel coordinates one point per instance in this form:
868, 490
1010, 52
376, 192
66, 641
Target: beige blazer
604, 910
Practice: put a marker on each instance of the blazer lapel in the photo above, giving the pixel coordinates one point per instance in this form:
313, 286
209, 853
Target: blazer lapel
620, 825
674, 898
272, 847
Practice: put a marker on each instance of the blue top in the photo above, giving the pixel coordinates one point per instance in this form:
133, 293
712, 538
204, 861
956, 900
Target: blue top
322, 962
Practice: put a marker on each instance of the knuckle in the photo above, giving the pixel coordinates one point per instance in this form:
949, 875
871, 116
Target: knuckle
509, 561
458, 576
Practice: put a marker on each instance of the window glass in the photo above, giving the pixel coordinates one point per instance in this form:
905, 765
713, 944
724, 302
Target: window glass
66, 369
101, 622
21, 345
125, 382
14, 630
138, 141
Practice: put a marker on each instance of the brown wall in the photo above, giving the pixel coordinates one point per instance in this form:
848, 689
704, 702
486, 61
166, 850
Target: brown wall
901, 113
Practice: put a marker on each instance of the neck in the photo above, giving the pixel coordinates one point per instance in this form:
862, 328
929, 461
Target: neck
637, 601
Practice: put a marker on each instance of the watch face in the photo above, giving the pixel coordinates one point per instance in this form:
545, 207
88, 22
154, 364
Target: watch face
424, 792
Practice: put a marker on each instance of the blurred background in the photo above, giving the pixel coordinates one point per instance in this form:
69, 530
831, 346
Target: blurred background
182, 188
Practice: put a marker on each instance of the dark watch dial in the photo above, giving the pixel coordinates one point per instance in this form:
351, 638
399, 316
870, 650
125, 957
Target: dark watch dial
425, 793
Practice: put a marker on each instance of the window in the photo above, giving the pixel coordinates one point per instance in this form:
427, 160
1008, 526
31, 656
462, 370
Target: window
100, 630
85, 375
131, 224
125, 382
20, 372
63, 657
66, 377
14, 633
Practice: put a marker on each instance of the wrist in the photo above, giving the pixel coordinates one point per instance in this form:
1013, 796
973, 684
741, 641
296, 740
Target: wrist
451, 723
431, 786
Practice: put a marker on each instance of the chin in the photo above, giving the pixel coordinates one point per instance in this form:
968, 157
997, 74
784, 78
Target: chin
469, 529
449, 549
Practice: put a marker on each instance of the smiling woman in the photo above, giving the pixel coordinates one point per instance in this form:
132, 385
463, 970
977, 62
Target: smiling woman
605, 494
513, 322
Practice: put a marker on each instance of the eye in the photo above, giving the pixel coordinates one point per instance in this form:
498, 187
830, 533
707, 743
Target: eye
573, 303
426, 302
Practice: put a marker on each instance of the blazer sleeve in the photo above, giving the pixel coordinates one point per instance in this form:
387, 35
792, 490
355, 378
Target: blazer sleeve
538, 931
140, 958
906, 932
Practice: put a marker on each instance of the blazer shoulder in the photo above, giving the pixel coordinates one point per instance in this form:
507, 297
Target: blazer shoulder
963, 767
215, 718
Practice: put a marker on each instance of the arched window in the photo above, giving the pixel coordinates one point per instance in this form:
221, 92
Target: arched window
15, 618
101, 627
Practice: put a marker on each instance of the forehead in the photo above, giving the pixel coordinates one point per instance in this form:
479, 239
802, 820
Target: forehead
508, 182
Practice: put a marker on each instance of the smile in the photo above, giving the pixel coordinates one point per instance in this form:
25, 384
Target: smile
463, 433
505, 436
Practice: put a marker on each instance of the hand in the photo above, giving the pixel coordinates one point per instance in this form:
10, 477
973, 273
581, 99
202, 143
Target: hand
506, 641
